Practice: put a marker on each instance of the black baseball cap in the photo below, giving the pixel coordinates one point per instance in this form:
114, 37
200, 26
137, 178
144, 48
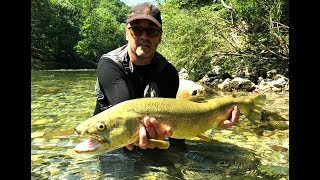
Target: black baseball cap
145, 11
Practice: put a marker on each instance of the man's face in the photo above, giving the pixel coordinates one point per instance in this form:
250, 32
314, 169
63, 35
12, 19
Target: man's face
143, 37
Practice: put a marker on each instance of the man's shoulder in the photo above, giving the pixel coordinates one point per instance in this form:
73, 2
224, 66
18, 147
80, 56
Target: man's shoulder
115, 56
116, 53
162, 63
159, 57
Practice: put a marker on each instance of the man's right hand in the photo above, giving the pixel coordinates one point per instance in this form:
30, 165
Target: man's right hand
153, 130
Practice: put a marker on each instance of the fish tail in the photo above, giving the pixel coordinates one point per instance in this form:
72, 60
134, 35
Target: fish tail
255, 113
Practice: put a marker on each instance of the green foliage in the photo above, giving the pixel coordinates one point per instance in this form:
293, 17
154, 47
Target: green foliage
117, 8
191, 36
187, 4
102, 28
41, 13
239, 36
74, 33
267, 29
100, 33
54, 33
250, 36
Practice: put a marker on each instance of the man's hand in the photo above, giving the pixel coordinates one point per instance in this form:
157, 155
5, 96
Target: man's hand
151, 130
234, 116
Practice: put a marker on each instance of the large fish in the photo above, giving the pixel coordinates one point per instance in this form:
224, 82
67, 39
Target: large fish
119, 125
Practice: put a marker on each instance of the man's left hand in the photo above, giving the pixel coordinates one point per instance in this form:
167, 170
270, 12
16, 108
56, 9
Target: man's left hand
235, 113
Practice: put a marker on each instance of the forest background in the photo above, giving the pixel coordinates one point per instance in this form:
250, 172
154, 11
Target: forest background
237, 35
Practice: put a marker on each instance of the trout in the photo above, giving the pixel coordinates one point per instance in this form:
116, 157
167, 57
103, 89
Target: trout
119, 125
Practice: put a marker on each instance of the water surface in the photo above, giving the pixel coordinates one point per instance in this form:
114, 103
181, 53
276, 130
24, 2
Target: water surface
62, 99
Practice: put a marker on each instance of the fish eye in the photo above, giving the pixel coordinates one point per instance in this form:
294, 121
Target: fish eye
101, 126
194, 92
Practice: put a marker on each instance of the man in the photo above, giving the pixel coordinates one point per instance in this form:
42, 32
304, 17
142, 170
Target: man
137, 70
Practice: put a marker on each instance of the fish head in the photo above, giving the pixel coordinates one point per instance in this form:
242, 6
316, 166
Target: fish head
97, 134
108, 133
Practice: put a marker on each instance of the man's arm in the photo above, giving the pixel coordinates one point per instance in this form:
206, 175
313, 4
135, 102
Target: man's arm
111, 78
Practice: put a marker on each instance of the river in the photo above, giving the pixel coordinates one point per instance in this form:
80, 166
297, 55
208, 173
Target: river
60, 100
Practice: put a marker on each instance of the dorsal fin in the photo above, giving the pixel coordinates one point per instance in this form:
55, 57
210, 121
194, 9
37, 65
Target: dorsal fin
232, 95
199, 99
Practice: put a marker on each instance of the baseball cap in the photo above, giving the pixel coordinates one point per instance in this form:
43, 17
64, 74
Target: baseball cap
145, 11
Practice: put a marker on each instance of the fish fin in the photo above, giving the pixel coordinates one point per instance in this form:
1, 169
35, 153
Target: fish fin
196, 98
204, 137
229, 95
255, 113
159, 143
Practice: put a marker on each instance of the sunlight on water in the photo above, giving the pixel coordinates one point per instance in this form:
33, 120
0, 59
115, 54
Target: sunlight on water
60, 100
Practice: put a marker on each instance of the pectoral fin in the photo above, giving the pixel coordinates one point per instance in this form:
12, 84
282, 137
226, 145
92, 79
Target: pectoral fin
204, 137
159, 143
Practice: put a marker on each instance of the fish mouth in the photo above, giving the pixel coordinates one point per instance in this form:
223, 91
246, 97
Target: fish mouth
88, 145
93, 143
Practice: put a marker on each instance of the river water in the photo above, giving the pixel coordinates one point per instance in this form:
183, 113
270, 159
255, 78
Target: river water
60, 100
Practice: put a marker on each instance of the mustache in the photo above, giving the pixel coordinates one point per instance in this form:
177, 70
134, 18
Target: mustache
144, 42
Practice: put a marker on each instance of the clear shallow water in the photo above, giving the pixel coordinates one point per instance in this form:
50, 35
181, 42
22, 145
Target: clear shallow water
62, 99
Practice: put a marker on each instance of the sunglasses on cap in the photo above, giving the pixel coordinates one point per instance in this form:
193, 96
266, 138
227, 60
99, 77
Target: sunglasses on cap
138, 31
